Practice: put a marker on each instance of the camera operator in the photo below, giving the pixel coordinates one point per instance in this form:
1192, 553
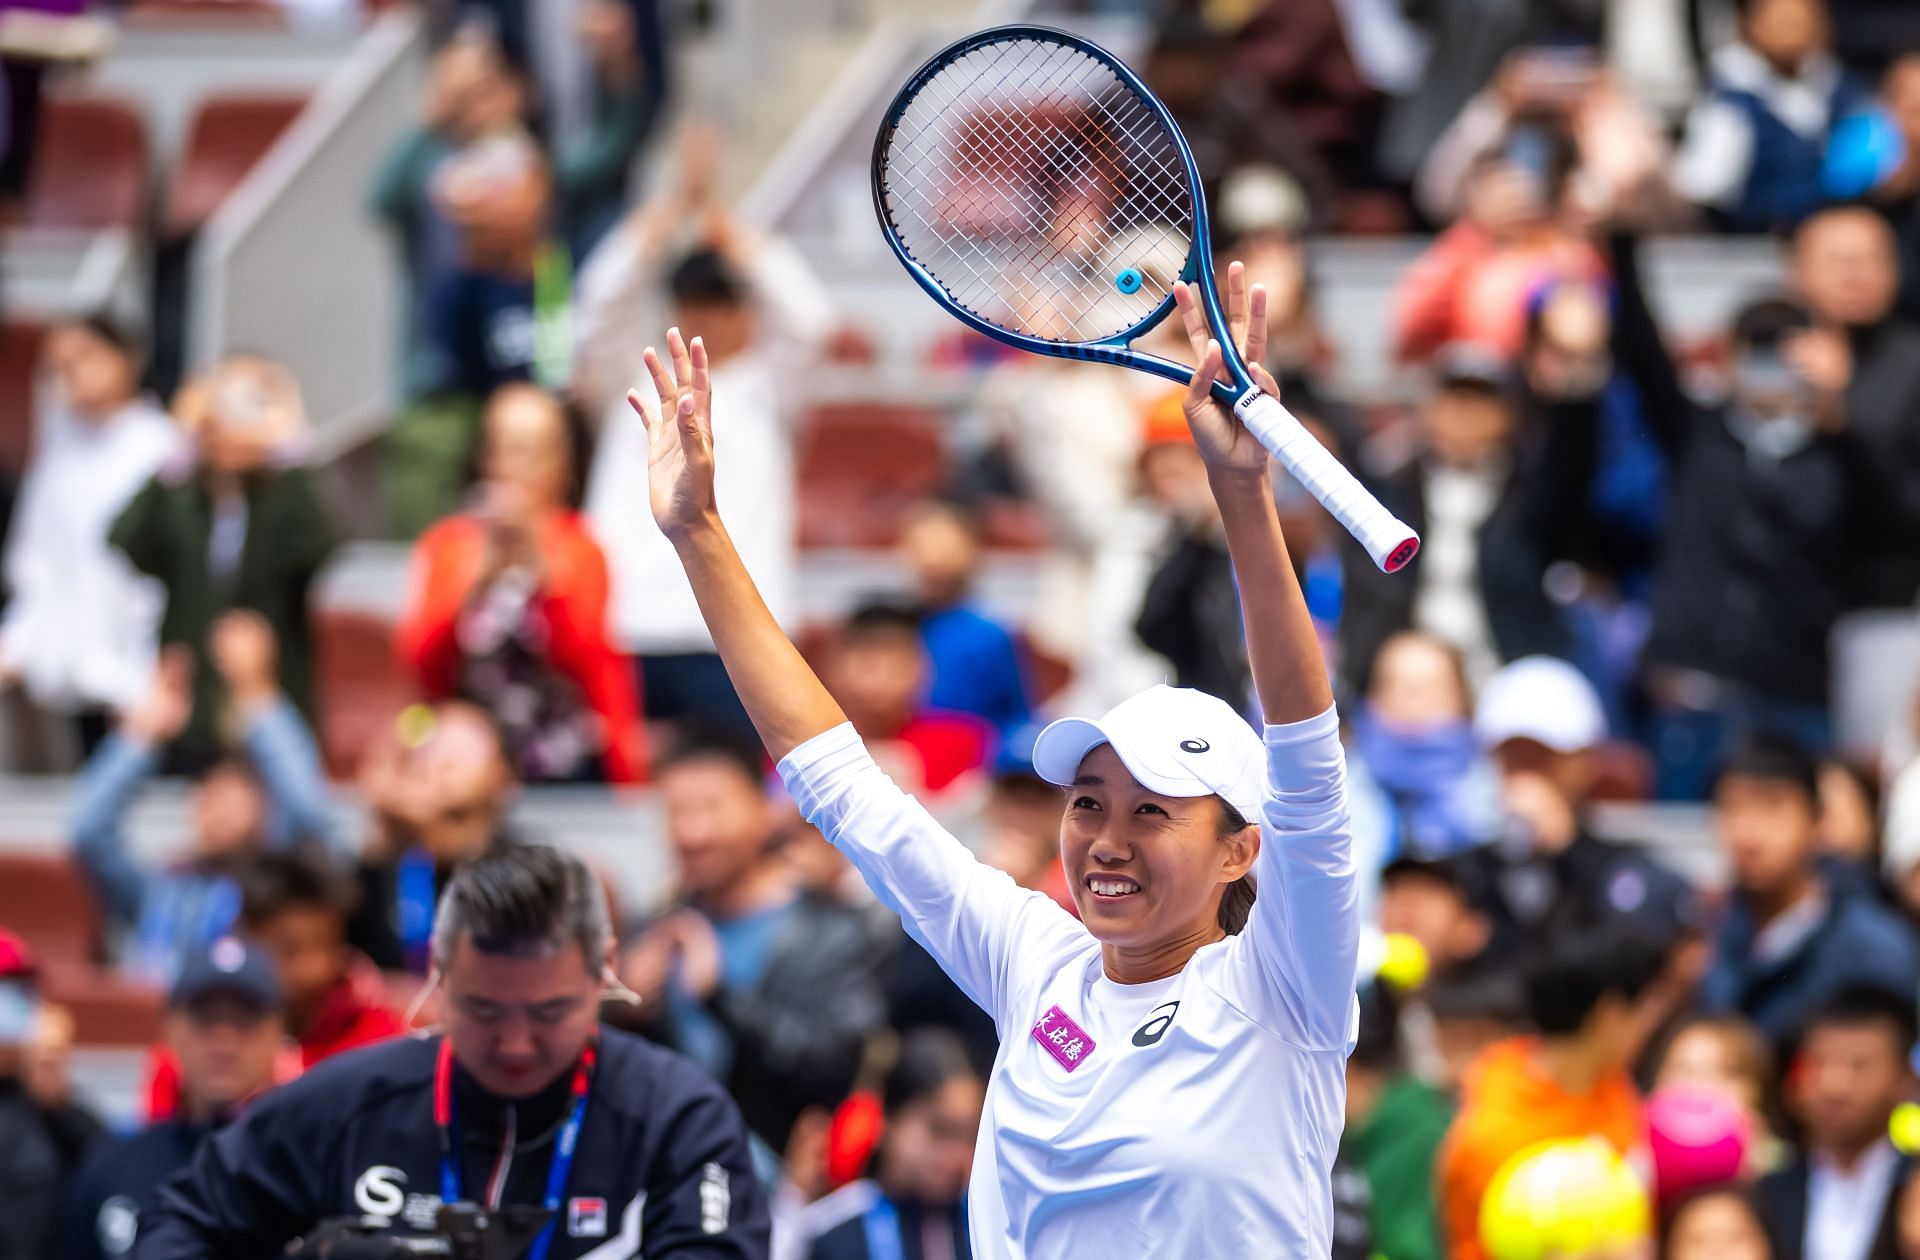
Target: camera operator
522, 1099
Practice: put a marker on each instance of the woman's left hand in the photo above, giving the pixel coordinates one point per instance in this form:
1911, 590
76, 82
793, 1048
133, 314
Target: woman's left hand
1224, 443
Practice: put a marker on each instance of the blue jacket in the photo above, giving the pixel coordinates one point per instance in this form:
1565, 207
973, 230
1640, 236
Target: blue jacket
661, 1169
1858, 942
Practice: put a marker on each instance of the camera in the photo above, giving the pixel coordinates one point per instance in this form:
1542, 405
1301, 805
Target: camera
462, 1231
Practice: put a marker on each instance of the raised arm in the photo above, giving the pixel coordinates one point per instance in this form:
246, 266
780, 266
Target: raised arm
1294, 961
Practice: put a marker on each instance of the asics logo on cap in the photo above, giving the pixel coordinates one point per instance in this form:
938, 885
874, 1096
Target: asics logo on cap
1194, 745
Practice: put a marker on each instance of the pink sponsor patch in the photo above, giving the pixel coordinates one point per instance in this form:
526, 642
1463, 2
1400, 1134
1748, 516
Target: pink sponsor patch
1065, 1040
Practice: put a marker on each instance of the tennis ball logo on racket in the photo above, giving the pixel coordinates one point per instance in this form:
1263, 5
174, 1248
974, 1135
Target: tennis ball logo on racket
1129, 280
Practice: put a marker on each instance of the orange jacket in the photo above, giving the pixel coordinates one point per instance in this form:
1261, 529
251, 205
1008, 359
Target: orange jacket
573, 600
1468, 288
1506, 1105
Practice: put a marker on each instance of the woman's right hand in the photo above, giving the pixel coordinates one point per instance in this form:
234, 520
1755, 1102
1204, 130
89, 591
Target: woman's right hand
679, 437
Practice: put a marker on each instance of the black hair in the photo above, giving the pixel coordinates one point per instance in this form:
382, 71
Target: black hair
1236, 904
880, 619
704, 275
1482, 991
1584, 959
1764, 324
575, 431
1378, 1046
1865, 1006
273, 883
711, 743
522, 899
1776, 757
220, 763
1185, 33
928, 1059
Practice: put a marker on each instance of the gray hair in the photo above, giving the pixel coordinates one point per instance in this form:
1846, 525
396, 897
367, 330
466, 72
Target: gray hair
523, 899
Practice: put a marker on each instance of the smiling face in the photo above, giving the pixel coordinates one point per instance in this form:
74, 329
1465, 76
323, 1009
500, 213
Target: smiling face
1146, 870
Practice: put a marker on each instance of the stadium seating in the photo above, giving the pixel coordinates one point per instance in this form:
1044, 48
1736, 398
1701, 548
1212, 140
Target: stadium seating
90, 165
228, 135
19, 350
861, 466
362, 681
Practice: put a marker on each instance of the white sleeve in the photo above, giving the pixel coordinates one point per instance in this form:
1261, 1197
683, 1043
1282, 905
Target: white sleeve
792, 300
977, 923
1715, 156
1294, 962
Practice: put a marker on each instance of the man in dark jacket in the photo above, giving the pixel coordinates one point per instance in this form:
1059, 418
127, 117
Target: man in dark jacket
1795, 933
1497, 487
772, 990
1771, 496
225, 1033
525, 1100
236, 529
43, 1134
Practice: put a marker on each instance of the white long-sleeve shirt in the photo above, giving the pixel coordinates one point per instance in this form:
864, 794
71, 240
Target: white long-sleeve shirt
1195, 1116
80, 626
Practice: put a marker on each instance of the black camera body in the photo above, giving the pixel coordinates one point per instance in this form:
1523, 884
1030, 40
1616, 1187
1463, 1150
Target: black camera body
462, 1231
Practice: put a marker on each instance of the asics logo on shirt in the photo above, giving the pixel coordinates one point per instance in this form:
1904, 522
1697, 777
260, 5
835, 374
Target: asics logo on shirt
1194, 745
1161, 1019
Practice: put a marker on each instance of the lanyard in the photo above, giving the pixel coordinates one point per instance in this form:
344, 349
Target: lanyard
882, 1225
563, 1147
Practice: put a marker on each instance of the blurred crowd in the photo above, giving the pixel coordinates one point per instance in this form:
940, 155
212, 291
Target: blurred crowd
1636, 550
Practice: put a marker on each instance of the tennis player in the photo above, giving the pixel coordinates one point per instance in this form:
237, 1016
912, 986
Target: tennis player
1170, 1078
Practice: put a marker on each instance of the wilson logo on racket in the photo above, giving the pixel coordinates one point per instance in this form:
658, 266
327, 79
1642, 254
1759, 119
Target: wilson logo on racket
1161, 1019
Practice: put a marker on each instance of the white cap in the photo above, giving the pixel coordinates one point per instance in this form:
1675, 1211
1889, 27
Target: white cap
1544, 699
1174, 740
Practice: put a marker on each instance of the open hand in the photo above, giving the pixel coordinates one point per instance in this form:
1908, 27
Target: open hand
1224, 442
243, 649
679, 436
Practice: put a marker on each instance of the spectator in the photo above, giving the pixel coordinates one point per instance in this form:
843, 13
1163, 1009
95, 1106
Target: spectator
625, 82
44, 1133
1747, 590
976, 664
224, 1035
297, 907
502, 314
437, 785
1395, 1124
1497, 493
1541, 722
1897, 194
1514, 238
1838, 1199
1472, 1009
1846, 268
1869, 34
1444, 904
1757, 138
509, 608
1413, 750
1190, 611
1796, 932
78, 632
1900, 841
1726, 1054
772, 991
912, 1201
273, 798
1587, 988
1717, 1223
236, 527
876, 668
760, 311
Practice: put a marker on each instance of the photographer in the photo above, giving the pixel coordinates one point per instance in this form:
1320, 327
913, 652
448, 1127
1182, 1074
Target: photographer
522, 1099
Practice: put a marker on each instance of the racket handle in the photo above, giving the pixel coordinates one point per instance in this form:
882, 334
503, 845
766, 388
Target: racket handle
1391, 543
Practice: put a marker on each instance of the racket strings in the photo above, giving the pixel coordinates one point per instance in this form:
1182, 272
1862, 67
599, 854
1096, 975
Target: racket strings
1027, 178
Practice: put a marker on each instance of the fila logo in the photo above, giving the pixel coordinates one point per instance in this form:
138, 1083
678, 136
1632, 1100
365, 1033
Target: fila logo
377, 1192
587, 1218
1158, 1021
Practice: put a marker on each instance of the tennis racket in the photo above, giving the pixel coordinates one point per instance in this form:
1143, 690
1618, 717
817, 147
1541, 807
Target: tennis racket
1032, 184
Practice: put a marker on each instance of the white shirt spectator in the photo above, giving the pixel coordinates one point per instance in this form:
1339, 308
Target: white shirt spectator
1448, 602
618, 313
79, 629
1845, 1207
1714, 160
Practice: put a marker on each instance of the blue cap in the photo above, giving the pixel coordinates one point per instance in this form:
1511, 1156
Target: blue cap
230, 967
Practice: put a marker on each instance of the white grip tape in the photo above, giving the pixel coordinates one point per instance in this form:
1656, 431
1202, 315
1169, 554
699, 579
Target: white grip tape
1390, 542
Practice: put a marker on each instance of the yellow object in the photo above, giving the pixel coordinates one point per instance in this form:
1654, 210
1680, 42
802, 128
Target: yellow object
415, 724
1904, 1128
1406, 964
1565, 1198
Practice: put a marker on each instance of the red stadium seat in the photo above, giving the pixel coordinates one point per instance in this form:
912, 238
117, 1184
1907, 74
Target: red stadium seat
174, 14
19, 351
107, 1009
228, 135
363, 683
89, 165
47, 900
861, 466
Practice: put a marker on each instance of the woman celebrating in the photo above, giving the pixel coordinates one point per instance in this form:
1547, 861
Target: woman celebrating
1170, 1073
